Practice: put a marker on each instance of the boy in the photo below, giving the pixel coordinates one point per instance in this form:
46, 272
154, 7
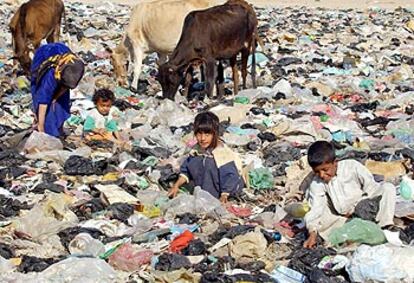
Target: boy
100, 124
338, 186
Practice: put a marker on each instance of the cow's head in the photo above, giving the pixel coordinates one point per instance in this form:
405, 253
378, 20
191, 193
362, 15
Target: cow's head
169, 78
25, 59
119, 62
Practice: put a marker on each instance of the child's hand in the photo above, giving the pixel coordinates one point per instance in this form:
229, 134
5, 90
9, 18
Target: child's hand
311, 241
173, 192
224, 198
100, 131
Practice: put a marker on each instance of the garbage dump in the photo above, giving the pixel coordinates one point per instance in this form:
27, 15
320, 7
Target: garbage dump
75, 210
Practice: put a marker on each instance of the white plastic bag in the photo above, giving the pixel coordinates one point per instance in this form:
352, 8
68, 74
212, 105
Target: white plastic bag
383, 263
38, 142
84, 244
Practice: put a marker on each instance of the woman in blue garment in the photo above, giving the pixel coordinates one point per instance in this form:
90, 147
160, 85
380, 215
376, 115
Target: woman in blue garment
54, 71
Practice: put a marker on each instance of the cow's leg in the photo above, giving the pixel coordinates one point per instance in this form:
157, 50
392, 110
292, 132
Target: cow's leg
220, 80
210, 76
138, 57
56, 33
187, 81
245, 57
162, 58
235, 71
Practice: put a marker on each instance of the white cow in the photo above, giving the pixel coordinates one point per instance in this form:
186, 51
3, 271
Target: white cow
155, 26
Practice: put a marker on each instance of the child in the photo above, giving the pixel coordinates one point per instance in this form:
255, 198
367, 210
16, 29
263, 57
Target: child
337, 188
210, 165
100, 123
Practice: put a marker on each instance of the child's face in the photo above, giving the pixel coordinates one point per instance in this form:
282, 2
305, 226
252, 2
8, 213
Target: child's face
326, 171
103, 106
204, 139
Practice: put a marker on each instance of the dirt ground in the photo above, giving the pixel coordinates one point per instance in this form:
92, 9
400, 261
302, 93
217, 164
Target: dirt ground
332, 4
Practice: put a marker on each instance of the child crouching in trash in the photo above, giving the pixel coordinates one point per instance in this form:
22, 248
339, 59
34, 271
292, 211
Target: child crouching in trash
337, 189
210, 164
101, 122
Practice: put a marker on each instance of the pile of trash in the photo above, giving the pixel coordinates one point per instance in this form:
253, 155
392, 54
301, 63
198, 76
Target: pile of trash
94, 211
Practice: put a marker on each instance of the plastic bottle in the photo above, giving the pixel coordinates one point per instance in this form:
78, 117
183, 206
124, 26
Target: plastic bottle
407, 188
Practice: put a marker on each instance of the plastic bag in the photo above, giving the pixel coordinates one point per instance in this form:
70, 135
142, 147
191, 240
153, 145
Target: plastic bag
261, 178
86, 270
38, 142
127, 259
358, 231
84, 244
201, 202
43, 221
383, 263
5, 265
60, 156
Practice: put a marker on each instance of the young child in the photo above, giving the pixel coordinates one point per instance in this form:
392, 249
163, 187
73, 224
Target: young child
100, 124
338, 186
211, 165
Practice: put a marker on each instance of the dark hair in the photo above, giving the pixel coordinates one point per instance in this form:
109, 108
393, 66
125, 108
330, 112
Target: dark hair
207, 122
321, 152
72, 73
104, 94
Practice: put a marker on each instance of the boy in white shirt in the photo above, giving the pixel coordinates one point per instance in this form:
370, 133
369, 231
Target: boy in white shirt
338, 186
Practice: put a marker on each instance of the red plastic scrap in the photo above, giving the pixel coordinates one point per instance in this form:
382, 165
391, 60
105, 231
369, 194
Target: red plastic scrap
181, 241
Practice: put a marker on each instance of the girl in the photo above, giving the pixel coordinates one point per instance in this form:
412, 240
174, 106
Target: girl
210, 165
54, 71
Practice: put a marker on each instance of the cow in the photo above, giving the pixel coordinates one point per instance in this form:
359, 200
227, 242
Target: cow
155, 26
217, 33
34, 21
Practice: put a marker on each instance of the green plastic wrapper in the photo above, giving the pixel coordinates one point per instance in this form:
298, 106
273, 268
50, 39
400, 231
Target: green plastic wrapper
358, 231
242, 100
261, 179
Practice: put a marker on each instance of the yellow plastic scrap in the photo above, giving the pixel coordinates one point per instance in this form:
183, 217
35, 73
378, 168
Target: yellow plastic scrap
410, 25
151, 211
289, 37
22, 83
111, 176
16, 261
361, 145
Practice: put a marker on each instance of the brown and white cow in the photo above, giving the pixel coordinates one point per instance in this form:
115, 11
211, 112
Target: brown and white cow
34, 21
155, 26
217, 33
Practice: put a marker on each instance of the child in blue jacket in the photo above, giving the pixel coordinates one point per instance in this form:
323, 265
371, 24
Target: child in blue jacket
211, 164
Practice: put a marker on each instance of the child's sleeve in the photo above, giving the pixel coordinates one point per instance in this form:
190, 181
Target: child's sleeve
184, 170
230, 180
111, 126
89, 124
368, 184
318, 202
